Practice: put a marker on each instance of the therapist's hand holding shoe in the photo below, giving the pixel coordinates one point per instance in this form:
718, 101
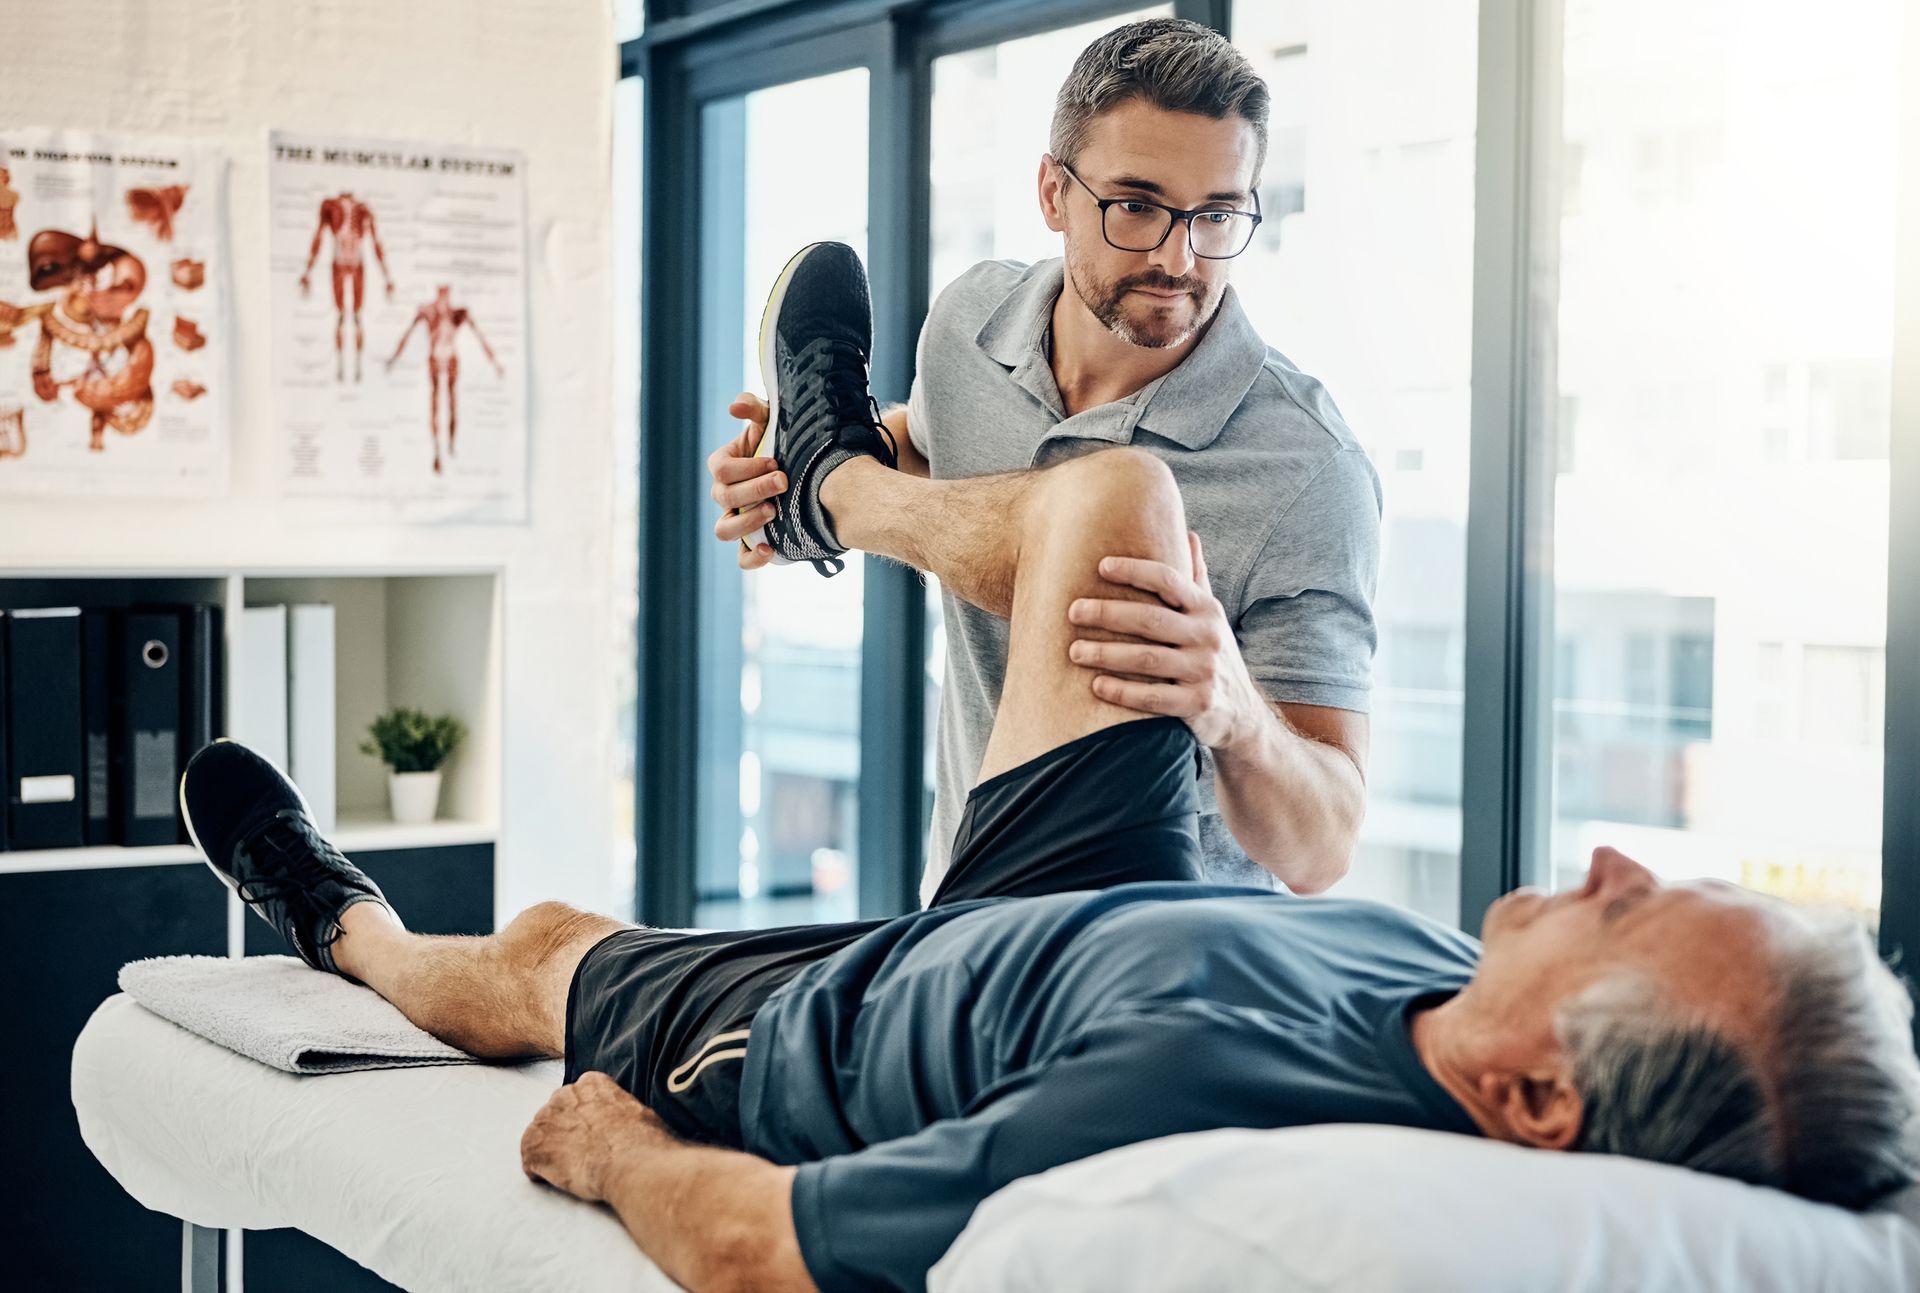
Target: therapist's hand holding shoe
743, 485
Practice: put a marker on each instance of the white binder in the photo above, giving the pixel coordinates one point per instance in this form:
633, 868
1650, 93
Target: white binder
310, 709
258, 705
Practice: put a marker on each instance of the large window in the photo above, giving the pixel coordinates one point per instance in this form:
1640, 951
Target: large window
1604, 287
1362, 275
992, 108
1721, 364
779, 738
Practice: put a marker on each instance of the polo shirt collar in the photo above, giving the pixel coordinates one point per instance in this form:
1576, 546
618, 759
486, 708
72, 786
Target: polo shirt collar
1188, 406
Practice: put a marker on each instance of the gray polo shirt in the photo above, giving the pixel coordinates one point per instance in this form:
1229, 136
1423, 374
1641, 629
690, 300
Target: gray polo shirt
1284, 499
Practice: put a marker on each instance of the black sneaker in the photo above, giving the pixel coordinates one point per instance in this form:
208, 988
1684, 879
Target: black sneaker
256, 832
815, 337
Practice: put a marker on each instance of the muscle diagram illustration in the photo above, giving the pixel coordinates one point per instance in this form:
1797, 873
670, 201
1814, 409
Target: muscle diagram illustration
91, 326
443, 321
9, 199
350, 221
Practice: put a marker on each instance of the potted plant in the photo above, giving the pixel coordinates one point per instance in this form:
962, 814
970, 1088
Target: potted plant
413, 745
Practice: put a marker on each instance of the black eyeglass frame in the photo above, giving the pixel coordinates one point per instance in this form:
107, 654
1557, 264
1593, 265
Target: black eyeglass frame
1175, 214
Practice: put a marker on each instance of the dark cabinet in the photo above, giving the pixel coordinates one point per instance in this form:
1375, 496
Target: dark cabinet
67, 1225
64, 935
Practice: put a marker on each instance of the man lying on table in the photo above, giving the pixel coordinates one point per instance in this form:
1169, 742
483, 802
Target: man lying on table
824, 1106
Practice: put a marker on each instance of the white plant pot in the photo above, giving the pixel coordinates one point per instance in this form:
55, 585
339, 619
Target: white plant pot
415, 796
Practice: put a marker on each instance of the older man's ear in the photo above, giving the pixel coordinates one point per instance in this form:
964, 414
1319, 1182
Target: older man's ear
1539, 1108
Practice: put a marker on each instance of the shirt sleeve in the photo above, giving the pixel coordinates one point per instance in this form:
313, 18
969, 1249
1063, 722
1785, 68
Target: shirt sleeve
919, 420
880, 1218
917, 427
1306, 627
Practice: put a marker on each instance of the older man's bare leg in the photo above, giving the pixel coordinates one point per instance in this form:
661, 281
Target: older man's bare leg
498, 996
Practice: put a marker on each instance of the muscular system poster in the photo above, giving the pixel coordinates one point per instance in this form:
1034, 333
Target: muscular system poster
400, 326
113, 323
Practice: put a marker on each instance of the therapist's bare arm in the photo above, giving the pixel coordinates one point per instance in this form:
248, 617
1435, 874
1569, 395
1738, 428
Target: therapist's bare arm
744, 484
715, 1220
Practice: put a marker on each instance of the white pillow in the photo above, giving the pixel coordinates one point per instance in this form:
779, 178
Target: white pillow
1365, 1209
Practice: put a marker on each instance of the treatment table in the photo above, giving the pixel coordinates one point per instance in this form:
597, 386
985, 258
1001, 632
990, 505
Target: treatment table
412, 1172
415, 1174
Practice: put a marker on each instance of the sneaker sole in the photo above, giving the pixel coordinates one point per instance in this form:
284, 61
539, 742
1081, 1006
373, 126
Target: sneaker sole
769, 372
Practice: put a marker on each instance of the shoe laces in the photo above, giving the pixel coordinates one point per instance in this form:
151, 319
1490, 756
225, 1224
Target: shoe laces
294, 859
833, 381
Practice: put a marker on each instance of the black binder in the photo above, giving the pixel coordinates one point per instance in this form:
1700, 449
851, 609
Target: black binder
150, 672
202, 718
46, 771
96, 700
3, 732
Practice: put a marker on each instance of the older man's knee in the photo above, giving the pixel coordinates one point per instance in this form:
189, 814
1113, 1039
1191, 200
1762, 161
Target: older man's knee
1125, 498
547, 929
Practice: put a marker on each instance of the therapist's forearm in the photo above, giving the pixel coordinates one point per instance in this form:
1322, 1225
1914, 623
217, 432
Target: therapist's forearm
716, 1221
1293, 803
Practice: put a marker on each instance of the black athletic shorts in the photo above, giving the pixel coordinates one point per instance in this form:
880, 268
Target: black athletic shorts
666, 1013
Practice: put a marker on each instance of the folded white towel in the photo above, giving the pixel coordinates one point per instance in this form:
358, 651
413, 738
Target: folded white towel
280, 1011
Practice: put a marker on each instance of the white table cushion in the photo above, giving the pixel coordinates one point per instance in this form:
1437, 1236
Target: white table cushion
413, 1172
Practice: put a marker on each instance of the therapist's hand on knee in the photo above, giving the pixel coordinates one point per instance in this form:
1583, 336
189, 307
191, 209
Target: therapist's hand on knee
582, 1132
744, 485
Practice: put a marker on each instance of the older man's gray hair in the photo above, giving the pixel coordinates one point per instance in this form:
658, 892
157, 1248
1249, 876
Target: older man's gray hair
1171, 63
1830, 1110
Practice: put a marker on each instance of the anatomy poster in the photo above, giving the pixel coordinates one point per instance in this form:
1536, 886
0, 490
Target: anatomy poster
113, 323
400, 326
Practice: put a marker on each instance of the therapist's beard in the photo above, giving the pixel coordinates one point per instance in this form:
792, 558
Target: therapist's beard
1123, 315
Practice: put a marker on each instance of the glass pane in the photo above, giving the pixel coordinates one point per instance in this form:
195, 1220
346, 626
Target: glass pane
780, 657
625, 593
1368, 194
1723, 338
992, 108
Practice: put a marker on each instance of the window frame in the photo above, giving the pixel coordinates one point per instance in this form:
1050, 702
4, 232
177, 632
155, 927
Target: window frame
688, 58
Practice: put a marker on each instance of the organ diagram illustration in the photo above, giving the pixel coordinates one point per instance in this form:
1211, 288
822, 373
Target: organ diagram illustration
445, 226
9, 199
443, 321
156, 208
91, 330
112, 308
352, 225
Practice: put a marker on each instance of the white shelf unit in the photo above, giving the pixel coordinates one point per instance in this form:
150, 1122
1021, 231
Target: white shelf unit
425, 638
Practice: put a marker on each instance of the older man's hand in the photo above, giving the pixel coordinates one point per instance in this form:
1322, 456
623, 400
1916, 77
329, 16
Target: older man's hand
584, 1132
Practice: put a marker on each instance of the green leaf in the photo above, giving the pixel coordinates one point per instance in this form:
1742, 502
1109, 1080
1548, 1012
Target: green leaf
408, 740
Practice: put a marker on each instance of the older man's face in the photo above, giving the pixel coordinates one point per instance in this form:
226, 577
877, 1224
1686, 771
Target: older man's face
1708, 946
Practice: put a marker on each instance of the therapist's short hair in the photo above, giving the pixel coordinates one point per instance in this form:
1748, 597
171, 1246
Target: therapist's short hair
1829, 1112
1171, 63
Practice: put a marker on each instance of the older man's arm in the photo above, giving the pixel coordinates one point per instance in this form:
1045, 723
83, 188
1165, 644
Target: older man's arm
713, 1219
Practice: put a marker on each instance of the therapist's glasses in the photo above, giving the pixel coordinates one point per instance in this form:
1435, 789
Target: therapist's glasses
1135, 224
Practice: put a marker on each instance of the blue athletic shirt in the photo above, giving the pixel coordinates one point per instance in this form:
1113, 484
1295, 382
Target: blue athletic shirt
957, 1049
